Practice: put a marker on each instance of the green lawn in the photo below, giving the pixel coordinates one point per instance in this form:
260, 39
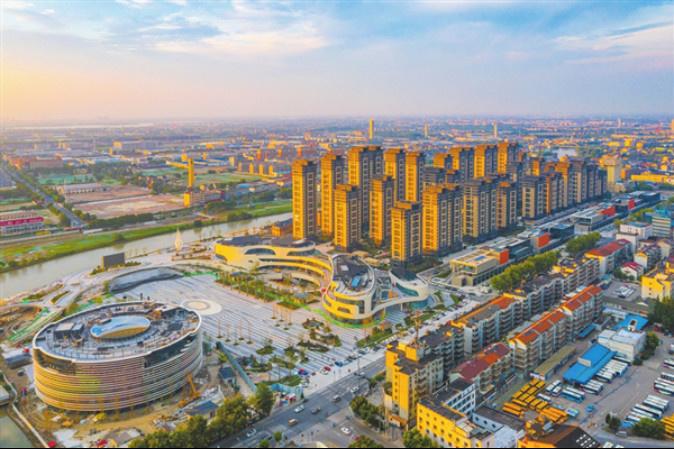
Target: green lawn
205, 178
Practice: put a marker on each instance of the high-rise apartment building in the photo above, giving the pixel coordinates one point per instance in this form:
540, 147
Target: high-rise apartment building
486, 160
347, 217
414, 170
442, 226
443, 160
433, 176
394, 166
405, 233
382, 199
333, 173
534, 197
365, 162
480, 209
305, 178
554, 191
507, 152
463, 161
507, 204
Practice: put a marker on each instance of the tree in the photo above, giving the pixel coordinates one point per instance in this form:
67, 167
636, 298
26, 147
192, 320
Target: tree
278, 436
414, 439
263, 399
617, 222
663, 313
231, 417
582, 243
649, 428
364, 442
264, 443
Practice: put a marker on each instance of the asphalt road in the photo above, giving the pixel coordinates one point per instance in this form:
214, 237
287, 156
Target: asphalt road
323, 399
74, 221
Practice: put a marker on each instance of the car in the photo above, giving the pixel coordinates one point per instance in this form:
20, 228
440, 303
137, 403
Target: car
354, 389
299, 408
326, 368
336, 398
361, 374
315, 410
346, 431
323, 371
338, 363
292, 422
250, 433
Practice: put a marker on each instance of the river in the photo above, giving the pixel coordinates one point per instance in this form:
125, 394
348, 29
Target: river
12, 435
28, 278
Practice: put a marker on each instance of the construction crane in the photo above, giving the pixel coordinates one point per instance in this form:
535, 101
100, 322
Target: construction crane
190, 171
195, 394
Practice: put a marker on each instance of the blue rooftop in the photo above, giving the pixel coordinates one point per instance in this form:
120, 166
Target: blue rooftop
639, 325
597, 356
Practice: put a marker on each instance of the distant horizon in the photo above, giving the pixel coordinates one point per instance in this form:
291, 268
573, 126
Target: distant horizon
172, 59
153, 121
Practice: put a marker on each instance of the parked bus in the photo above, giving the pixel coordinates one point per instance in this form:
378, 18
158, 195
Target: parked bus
657, 399
604, 377
647, 410
668, 363
591, 389
663, 389
634, 418
622, 359
667, 376
572, 412
655, 405
572, 396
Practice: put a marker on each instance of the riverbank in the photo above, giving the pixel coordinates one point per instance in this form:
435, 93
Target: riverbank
79, 243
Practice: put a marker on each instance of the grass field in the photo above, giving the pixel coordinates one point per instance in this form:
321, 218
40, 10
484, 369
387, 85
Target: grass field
12, 206
64, 179
205, 178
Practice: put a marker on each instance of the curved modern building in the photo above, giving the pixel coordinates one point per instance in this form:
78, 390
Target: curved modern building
117, 356
352, 292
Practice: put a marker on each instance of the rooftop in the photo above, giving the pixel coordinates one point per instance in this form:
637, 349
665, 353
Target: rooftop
117, 330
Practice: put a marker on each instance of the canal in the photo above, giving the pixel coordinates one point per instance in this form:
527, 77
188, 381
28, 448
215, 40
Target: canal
28, 278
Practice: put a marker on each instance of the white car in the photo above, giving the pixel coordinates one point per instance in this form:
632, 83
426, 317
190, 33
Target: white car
346, 431
299, 409
251, 433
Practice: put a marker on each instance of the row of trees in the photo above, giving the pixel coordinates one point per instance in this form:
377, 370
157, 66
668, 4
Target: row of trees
649, 428
118, 222
513, 276
231, 417
367, 411
582, 243
415, 439
663, 313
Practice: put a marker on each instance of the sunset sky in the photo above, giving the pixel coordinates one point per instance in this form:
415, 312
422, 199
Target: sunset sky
144, 59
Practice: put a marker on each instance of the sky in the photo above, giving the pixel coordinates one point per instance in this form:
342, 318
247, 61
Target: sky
153, 59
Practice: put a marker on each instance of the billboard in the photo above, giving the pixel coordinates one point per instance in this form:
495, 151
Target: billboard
113, 260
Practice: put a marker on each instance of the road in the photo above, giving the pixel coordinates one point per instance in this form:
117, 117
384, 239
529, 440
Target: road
48, 200
279, 420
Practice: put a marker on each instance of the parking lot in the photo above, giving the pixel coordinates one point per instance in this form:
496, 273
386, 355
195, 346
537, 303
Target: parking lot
619, 396
613, 291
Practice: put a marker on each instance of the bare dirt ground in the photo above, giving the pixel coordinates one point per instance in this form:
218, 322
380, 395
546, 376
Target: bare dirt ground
152, 204
113, 193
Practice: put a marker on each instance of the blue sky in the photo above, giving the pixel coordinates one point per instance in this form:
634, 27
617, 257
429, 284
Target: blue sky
153, 59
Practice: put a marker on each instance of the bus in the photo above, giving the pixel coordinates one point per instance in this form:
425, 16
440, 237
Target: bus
543, 397
667, 376
591, 388
596, 385
655, 405
668, 363
622, 359
604, 377
663, 389
572, 413
572, 396
634, 418
647, 410
665, 381
557, 390
658, 400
